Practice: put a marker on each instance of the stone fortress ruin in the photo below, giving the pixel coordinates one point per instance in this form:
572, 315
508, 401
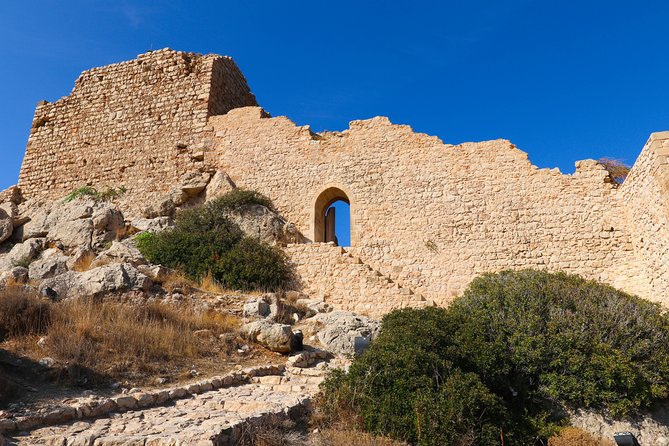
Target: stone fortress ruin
426, 217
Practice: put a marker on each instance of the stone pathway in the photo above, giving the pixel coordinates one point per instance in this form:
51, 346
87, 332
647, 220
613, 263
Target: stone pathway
213, 418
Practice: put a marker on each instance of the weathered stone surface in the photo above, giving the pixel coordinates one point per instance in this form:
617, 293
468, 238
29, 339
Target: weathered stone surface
51, 263
120, 252
340, 328
194, 183
220, 184
275, 337
17, 274
257, 307
153, 224
22, 254
6, 225
97, 281
156, 273
262, 223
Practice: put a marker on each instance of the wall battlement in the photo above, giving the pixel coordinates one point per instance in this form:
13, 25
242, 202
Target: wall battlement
426, 214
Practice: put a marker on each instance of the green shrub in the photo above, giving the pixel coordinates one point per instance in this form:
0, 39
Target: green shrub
238, 198
504, 359
91, 192
405, 387
564, 338
204, 242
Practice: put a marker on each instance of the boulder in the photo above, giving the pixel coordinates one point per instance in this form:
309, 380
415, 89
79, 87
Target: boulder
220, 184
340, 328
194, 183
156, 273
275, 337
116, 277
22, 254
257, 307
18, 274
166, 206
120, 252
260, 222
152, 224
6, 225
51, 263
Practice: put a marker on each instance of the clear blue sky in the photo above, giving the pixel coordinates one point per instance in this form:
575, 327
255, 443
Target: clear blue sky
563, 80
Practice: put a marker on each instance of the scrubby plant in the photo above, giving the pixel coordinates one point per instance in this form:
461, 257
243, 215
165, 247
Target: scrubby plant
504, 360
236, 199
530, 333
204, 242
23, 313
617, 169
90, 192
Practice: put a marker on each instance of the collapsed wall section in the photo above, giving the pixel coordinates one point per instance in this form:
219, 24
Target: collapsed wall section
431, 215
138, 124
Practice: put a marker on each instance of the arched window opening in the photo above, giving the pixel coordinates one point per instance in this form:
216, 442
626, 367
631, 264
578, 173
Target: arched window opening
332, 217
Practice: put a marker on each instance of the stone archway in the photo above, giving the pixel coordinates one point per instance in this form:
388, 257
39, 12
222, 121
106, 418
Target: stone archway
322, 224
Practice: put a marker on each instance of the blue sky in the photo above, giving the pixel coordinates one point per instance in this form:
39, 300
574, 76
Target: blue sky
563, 80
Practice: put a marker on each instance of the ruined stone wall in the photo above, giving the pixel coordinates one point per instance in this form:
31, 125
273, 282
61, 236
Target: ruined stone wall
329, 273
139, 124
433, 216
646, 199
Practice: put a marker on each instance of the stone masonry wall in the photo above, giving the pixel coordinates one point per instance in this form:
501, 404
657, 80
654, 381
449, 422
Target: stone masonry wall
329, 273
138, 124
646, 196
426, 216
433, 216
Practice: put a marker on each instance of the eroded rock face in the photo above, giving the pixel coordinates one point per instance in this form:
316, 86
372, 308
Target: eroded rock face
220, 184
262, 223
340, 328
51, 263
120, 252
276, 337
152, 224
79, 223
22, 254
6, 225
96, 282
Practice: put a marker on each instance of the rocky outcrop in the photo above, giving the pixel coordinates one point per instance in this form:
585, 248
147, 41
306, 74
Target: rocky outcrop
75, 224
51, 263
96, 282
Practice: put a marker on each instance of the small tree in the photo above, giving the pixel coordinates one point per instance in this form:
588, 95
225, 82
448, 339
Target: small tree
617, 169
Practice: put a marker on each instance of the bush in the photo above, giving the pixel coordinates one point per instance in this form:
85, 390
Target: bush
503, 360
236, 199
576, 437
405, 387
563, 338
204, 241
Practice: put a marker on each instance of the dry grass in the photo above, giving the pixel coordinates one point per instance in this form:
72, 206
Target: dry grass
84, 263
176, 280
209, 285
572, 436
347, 437
115, 340
22, 313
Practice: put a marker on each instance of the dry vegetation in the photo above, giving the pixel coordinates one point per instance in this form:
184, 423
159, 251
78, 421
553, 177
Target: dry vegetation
572, 436
617, 169
114, 341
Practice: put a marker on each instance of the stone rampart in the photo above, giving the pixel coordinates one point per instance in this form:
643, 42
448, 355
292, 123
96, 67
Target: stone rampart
137, 124
425, 214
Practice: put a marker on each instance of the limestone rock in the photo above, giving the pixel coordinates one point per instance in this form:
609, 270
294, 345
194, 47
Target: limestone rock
18, 274
22, 254
6, 225
219, 184
275, 337
152, 224
96, 282
75, 224
340, 328
257, 307
156, 273
260, 222
51, 263
120, 252
194, 183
